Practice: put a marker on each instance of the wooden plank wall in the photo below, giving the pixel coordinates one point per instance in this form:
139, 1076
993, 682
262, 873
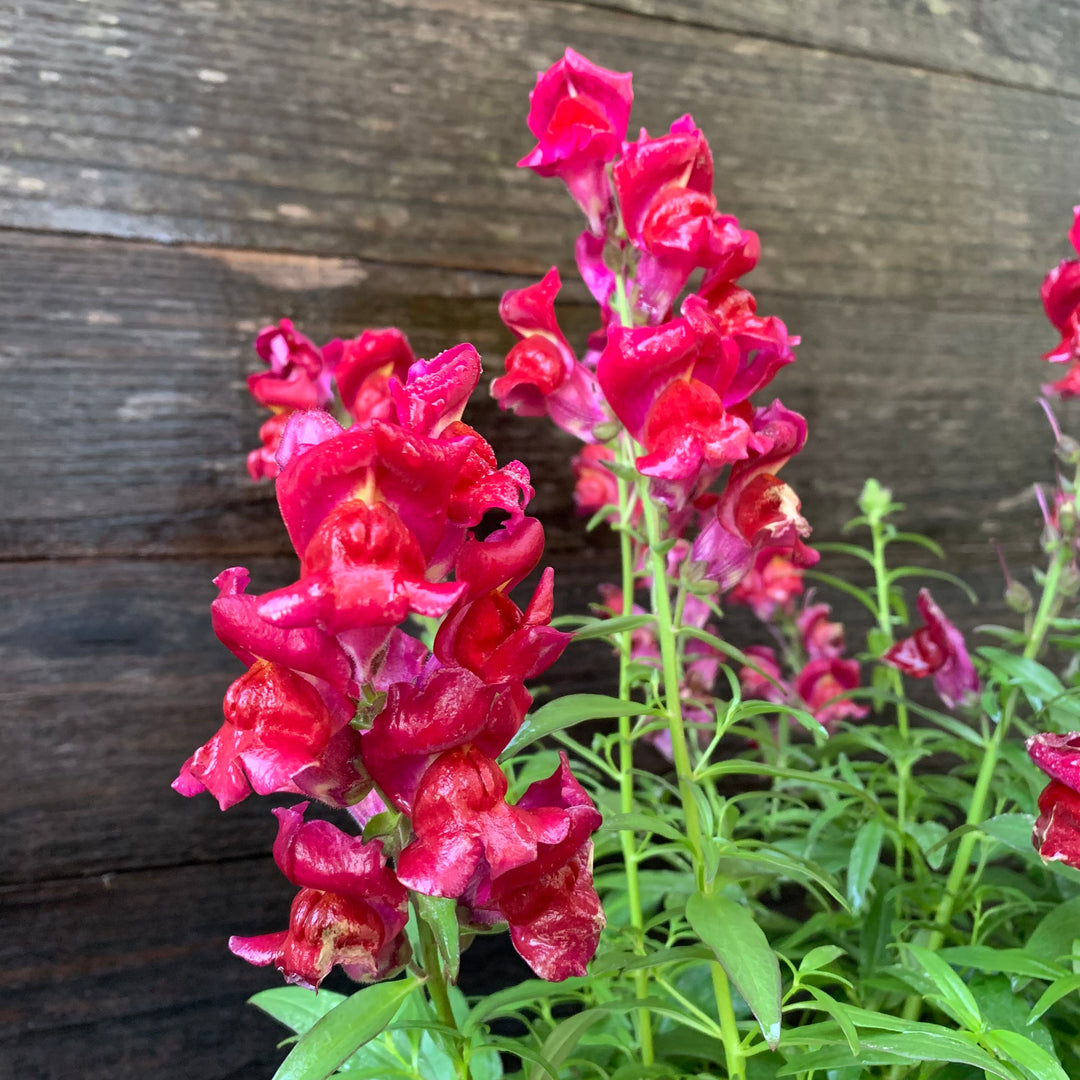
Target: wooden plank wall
173, 175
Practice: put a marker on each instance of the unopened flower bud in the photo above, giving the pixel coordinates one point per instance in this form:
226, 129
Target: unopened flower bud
1018, 597
1069, 582
606, 430
1067, 516
1068, 450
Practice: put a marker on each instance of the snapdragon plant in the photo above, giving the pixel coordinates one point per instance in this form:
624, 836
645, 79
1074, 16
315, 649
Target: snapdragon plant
818, 875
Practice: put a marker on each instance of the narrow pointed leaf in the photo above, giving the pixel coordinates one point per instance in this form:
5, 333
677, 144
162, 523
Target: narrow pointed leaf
744, 953
566, 711
863, 861
296, 1007
341, 1032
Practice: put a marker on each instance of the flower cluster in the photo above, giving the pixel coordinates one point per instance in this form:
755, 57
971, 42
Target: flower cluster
340, 704
1057, 828
669, 391
812, 648
1061, 302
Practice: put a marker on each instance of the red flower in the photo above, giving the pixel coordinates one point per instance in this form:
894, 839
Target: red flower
819, 683
755, 684
436, 391
363, 367
551, 906
446, 708
594, 485
299, 377
351, 910
822, 639
362, 568
262, 462
460, 818
665, 193
578, 113
1061, 300
543, 376
1057, 829
937, 649
277, 724
771, 584
757, 510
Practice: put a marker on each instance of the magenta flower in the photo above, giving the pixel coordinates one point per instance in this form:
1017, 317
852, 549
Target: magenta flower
501, 560
262, 462
436, 391
771, 584
821, 638
819, 684
1061, 300
363, 367
277, 724
762, 684
1056, 834
299, 377
362, 568
494, 639
543, 376
937, 649
444, 709
554, 914
757, 510
460, 818
594, 485
664, 187
351, 910
578, 113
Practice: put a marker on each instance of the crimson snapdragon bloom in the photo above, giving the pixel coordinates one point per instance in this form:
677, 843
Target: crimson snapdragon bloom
1056, 834
937, 649
757, 510
771, 584
351, 909
579, 112
664, 187
543, 376
363, 367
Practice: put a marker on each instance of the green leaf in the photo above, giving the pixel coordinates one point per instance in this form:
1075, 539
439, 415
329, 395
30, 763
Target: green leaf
525, 993
607, 628
1013, 830
819, 958
838, 1013
917, 538
441, 916
955, 995
1053, 994
937, 575
865, 855
928, 835
1007, 961
644, 823
1053, 938
843, 586
744, 953
1026, 1053
566, 711
564, 1037
898, 1048
341, 1032
295, 1007
1039, 684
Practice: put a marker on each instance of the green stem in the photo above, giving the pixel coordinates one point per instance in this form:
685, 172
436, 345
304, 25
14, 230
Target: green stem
436, 988
626, 774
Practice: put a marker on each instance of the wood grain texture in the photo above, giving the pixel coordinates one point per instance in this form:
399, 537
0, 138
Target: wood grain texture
126, 410
1030, 45
387, 139
128, 975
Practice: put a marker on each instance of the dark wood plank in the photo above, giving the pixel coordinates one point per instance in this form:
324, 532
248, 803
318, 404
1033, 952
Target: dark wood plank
388, 139
128, 975
1030, 44
127, 421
